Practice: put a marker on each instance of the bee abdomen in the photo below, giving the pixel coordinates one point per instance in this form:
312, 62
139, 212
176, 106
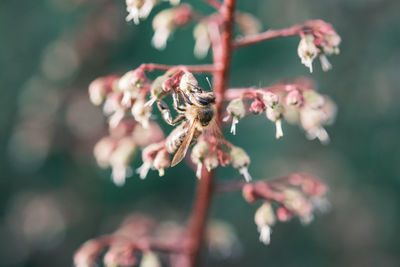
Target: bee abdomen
175, 138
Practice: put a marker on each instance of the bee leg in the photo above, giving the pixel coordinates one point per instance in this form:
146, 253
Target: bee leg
176, 103
186, 97
166, 114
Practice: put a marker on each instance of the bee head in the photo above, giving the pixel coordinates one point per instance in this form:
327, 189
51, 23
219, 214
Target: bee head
205, 98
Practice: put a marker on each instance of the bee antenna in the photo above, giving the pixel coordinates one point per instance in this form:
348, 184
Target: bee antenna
209, 83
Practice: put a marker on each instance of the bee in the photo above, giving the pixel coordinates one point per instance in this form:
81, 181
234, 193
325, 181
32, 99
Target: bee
196, 116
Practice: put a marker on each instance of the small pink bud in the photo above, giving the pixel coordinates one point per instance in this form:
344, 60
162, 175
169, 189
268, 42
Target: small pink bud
283, 214
257, 106
100, 88
248, 193
294, 98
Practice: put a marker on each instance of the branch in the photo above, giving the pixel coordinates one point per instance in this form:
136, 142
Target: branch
251, 92
309, 184
270, 34
214, 3
190, 68
121, 248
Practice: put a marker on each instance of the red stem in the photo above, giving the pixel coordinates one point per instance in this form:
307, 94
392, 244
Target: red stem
270, 34
205, 190
214, 3
191, 68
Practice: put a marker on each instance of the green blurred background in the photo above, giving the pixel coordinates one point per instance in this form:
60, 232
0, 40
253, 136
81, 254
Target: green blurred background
53, 197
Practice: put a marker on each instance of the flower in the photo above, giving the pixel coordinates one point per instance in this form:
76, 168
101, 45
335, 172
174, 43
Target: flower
100, 88
150, 259
203, 42
211, 161
270, 99
149, 155
165, 22
318, 112
248, 24
265, 219
275, 114
240, 161
235, 111
141, 112
156, 90
318, 39
139, 9
120, 159
199, 152
130, 85
307, 51
162, 161
294, 98
297, 203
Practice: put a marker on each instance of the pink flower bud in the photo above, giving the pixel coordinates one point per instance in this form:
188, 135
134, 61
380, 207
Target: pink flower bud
283, 214
100, 88
257, 106
182, 14
294, 98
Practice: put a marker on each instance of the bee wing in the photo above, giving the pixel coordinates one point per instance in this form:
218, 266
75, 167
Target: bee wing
214, 132
181, 152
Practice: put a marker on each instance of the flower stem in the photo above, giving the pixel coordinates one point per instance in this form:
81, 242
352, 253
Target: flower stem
205, 190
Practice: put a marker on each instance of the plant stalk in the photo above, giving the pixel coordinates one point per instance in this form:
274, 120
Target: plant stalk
205, 188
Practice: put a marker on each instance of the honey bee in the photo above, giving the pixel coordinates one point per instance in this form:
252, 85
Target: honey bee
196, 117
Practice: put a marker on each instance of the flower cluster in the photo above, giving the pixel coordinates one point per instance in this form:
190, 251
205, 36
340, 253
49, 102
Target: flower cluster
318, 39
121, 94
295, 195
140, 239
140, 9
118, 149
211, 155
165, 23
294, 103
